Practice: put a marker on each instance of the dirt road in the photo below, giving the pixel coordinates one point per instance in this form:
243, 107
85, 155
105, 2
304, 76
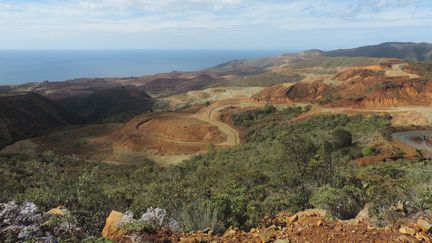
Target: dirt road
414, 139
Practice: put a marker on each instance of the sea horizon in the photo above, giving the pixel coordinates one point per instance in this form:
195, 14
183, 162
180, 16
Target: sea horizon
22, 66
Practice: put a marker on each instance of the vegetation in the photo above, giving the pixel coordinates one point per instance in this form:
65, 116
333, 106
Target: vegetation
267, 114
368, 151
283, 165
422, 69
110, 105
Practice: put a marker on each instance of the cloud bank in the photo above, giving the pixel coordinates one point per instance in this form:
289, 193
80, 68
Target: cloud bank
147, 19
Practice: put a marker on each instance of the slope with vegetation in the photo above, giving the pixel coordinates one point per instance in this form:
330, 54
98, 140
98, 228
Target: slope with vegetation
113, 104
400, 50
284, 165
29, 114
257, 174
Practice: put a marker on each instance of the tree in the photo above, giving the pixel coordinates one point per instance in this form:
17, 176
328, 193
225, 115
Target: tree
342, 138
299, 152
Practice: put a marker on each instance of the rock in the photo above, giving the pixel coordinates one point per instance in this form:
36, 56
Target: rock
281, 241
320, 223
293, 218
363, 215
271, 228
422, 237
407, 231
60, 210
338, 228
424, 225
111, 229
312, 213
400, 207
406, 239
206, 230
229, 232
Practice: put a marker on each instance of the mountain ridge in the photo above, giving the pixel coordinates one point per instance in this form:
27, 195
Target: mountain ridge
421, 51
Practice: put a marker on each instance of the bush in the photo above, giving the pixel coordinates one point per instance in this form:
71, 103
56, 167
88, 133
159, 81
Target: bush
368, 151
307, 108
136, 226
341, 203
342, 137
200, 216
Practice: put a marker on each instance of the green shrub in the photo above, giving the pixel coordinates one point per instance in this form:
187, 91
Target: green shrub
198, 216
341, 203
424, 196
307, 108
342, 137
368, 151
135, 226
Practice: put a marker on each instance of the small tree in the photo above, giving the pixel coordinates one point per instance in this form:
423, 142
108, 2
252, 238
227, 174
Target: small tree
300, 152
342, 138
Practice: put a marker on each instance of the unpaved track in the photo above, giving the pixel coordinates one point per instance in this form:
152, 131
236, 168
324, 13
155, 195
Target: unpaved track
408, 138
210, 114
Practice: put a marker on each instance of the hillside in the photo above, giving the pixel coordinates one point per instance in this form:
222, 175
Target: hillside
389, 83
162, 84
112, 103
27, 115
400, 50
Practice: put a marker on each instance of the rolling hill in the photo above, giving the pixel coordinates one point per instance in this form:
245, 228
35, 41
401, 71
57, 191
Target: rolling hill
30, 114
389, 83
401, 50
115, 103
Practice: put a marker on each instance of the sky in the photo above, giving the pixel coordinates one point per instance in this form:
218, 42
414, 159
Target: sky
211, 24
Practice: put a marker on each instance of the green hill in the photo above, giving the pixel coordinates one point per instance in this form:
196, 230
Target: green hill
400, 50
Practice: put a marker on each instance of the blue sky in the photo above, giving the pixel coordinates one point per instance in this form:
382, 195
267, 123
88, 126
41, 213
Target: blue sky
211, 24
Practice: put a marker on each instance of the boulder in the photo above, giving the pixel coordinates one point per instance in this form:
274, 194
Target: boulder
293, 218
424, 225
407, 231
60, 210
422, 237
406, 239
111, 231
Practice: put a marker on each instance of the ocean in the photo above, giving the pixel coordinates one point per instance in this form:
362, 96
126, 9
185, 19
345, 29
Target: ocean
22, 66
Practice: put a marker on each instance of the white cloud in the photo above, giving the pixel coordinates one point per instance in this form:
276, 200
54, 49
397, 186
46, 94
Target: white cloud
135, 16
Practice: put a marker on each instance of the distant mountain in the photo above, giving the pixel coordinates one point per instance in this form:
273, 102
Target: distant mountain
30, 114
400, 50
109, 104
252, 66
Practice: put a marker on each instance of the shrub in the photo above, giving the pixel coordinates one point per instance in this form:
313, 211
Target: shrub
307, 108
136, 226
368, 151
342, 137
341, 203
199, 216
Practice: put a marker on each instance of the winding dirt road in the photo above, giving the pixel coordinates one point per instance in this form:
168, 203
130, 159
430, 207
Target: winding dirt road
411, 138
